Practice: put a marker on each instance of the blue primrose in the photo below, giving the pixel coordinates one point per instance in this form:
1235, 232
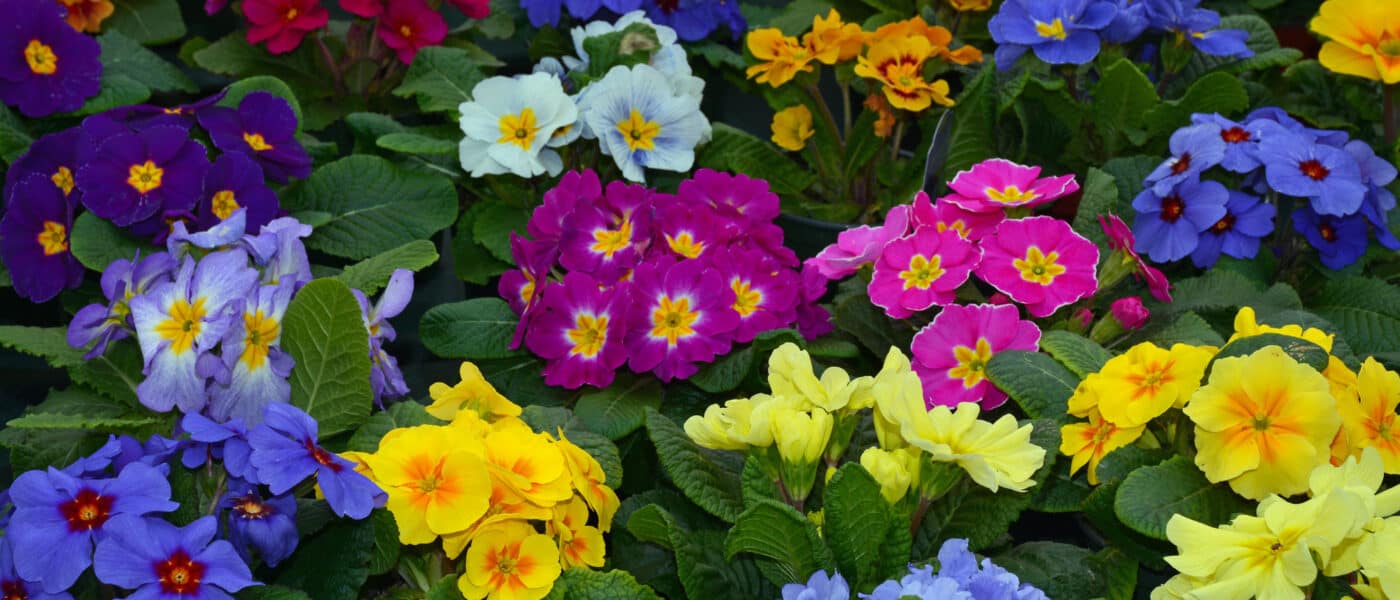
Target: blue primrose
14, 586
1328, 177
1237, 234
1060, 32
819, 587
160, 560
1241, 141
548, 12
1197, 26
1376, 173
227, 442
989, 582
258, 523
1339, 241
1128, 23
1168, 227
1195, 149
286, 451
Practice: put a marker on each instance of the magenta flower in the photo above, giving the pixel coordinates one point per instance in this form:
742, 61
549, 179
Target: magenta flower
680, 316
688, 230
813, 320
608, 239
997, 184
765, 293
1120, 239
735, 196
946, 215
521, 287
855, 248
952, 352
921, 270
1040, 262
575, 189
408, 26
580, 332
1129, 312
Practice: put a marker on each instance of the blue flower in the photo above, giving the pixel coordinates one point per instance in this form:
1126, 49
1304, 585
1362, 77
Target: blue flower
1376, 173
548, 12
693, 20
235, 181
1296, 165
920, 584
1194, 149
1197, 26
286, 451
159, 560
987, 583
123, 280
267, 525
1128, 23
1281, 117
58, 517
1246, 222
1060, 32
1340, 241
279, 252
179, 322
1241, 141
1168, 227
227, 442
819, 587
14, 586
385, 376
643, 122
253, 371
221, 236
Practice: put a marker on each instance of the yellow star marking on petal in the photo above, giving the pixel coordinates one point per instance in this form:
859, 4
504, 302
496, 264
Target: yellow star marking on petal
54, 238
1039, 267
922, 272
639, 133
589, 335
41, 59
519, 129
672, 319
972, 363
184, 324
145, 178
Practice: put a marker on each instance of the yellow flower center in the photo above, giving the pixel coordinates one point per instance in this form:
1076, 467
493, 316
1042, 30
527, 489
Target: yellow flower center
256, 142
224, 204
639, 133
290, 15
972, 362
1261, 423
506, 565
406, 31
922, 271
54, 238
184, 324
63, 179
1011, 195
1038, 267
685, 245
672, 319
428, 485
611, 241
519, 129
1054, 29
746, 299
588, 335
41, 59
958, 226
262, 331
145, 178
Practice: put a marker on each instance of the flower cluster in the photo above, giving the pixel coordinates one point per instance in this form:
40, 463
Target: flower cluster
645, 115
1342, 181
1071, 32
693, 20
482, 481
660, 282
48, 66
107, 510
141, 168
210, 327
958, 578
807, 421
403, 26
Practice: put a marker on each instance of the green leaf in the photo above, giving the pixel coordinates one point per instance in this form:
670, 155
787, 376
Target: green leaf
445, 589
1061, 492
271, 592
1365, 311
1150, 496
619, 409
480, 328
1059, 570
440, 78
869, 325
96, 242
374, 206
48, 343
1098, 509
78, 408
703, 480
62, 421
732, 149
117, 90
1080, 354
974, 123
701, 564
1100, 198
413, 143
1120, 573
14, 140
263, 83
150, 22
348, 545
1122, 100
401, 414
122, 55
386, 542
1216, 290
302, 69
1038, 384
1128, 173
1298, 349
372, 274
1215, 93
587, 584
629, 46
854, 514
726, 373
775, 530
493, 226
324, 332
115, 374
472, 261
1189, 328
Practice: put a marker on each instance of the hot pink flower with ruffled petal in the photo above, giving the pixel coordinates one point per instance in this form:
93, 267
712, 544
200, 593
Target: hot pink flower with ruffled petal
997, 184
855, 248
1120, 237
1040, 262
952, 352
921, 270
946, 215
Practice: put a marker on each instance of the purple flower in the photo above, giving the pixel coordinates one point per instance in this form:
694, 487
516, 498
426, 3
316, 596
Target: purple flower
134, 176
263, 128
922, 585
580, 331
12, 586
1194, 149
813, 321
55, 157
522, 288
233, 182
267, 525
253, 371
1241, 141
576, 188
1168, 227
765, 294
819, 587
58, 517
222, 236
46, 66
608, 239
736, 197
123, 280
279, 252
1058, 31
1297, 166
226, 441
286, 451
385, 376
1340, 241
681, 315
34, 238
548, 12
1197, 26
1237, 234
160, 560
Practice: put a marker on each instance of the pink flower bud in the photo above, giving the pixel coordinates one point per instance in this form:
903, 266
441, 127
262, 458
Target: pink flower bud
1130, 312
1084, 317
998, 298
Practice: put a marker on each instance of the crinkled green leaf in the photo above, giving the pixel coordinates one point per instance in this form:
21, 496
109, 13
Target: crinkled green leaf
96, 242
855, 513
347, 545
440, 78
1038, 384
480, 328
124, 56
1365, 311
372, 274
1079, 354
1151, 496
325, 333
777, 531
620, 408
703, 480
149, 22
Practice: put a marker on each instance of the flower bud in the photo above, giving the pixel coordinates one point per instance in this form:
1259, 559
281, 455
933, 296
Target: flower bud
1130, 312
889, 470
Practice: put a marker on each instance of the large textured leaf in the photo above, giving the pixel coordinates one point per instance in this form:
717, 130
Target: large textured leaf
1036, 382
373, 205
855, 513
480, 328
124, 56
14, 140
734, 150
441, 78
147, 21
974, 124
96, 242
1298, 349
325, 333
1122, 100
619, 409
587, 584
117, 90
704, 481
777, 531
1189, 328
371, 275
1365, 311
1215, 93
1150, 496
701, 562
1100, 198
401, 414
1080, 354
348, 545
1059, 570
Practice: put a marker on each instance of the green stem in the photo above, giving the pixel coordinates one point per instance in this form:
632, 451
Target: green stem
331, 63
898, 138
846, 109
826, 115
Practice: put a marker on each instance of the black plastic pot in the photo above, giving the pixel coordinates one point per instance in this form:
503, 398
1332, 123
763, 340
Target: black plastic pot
807, 236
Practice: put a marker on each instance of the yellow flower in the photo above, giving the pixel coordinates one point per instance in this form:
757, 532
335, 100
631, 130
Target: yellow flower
1378, 558
504, 507
529, 465
510, 562
782, 57
801, 436
1142, 383
1246, 325
580, 545
1356, 483
938, 38
435, 485
790, 375
473, 393
1263, 422
1089, 442
898, 64
832, 41
1363, 38
742, 423
590, 481
996, 455
792, 127
1085, 399
890, 470
1369, 415
970, 5
899, 397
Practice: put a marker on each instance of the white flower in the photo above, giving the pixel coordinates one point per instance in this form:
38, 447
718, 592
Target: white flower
669, 57
511, 122
642, 122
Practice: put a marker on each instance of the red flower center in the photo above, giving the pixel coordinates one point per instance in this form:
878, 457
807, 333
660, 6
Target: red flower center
668, 6
1328, 232
1235, 135
321, 455
86, 511
13, 590
1225, 224
179, 574
1172, 207
1314, 169
1182, 164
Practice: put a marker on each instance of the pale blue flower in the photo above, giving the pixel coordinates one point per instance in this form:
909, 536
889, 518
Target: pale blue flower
642, 122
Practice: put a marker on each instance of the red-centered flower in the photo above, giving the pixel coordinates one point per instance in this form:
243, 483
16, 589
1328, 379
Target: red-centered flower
410, 25
283, 23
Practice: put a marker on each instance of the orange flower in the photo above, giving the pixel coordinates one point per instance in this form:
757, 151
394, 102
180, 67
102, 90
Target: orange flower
884, 120
939, 40
783, 57
1369, 416
1090, 442
87, 15
898, 63
832, 41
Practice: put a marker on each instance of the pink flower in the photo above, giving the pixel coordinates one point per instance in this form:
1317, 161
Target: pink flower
946, 215
1130, 312
999, 298
576, 188
952, 352
283, 23
855, 248
476, 9
813, 321
410, 25
1040, 262
680, 316
523, 288
363, 8
580, 333
997, 184
765, 294
1120, 239
921, 270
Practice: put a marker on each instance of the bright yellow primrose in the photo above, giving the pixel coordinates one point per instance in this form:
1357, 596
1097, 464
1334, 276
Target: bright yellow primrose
473, 392
970, 5
832, 41
434, 483
1379, 563
1142, 383
1247, 325
790, 375
510, 561
1363, 38
529, 465
792, 127
781, 57
996, 455
1087, 443
1369, 415
580, 545
590, 481
801, 436
898, 64
1263, 422
890, 470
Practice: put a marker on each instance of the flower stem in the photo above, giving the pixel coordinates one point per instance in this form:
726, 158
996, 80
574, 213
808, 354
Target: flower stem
846, 109
331, 63
826, 115
918, 519
898, 138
